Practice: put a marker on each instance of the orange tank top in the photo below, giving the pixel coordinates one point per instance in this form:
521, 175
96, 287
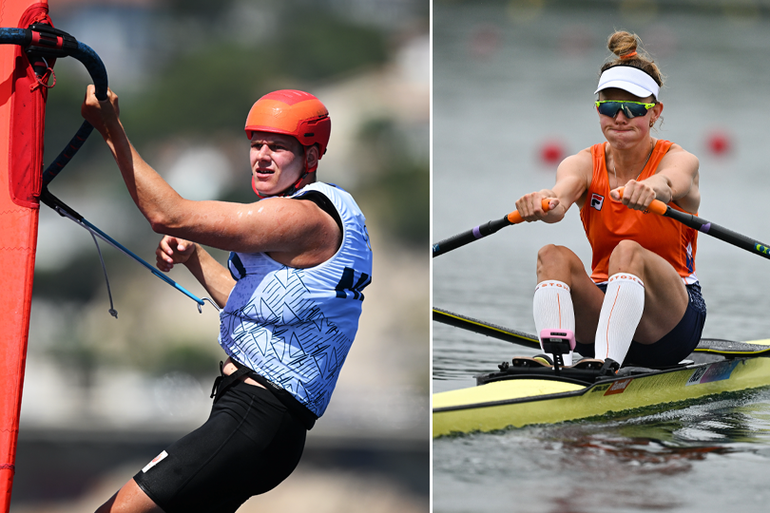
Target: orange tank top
607, 222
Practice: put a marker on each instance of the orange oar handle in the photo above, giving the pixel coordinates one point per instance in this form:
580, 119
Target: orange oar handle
482, 230
656, 207
515, 218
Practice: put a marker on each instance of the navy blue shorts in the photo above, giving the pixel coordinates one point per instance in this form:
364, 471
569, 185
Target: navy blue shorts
249, 444
675, 346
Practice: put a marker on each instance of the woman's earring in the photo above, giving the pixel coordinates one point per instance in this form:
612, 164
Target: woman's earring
652, 122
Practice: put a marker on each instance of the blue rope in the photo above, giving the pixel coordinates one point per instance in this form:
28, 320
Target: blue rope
65, 210
93, 229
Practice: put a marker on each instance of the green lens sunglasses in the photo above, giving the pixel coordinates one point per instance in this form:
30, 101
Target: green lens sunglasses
630, 109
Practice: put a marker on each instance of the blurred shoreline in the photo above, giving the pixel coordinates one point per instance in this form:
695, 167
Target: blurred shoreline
59, 471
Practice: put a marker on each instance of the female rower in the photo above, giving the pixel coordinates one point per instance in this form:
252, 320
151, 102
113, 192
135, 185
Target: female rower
291, 302
642, 303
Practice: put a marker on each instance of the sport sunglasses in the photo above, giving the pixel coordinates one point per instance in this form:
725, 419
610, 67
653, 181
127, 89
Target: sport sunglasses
630, 109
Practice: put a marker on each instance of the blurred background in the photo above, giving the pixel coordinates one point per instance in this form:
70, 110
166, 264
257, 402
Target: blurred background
103, 396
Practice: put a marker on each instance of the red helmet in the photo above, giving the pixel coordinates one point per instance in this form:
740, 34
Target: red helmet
294, 113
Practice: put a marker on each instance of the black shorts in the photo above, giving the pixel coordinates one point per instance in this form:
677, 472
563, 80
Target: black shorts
249, 444
675, 345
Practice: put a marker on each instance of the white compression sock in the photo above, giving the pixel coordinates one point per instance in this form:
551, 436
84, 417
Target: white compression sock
621, 312
552, 308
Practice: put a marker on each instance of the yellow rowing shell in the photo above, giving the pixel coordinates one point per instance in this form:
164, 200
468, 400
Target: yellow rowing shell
525, 401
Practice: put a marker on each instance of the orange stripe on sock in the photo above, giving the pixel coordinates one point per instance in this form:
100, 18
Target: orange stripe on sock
609, 320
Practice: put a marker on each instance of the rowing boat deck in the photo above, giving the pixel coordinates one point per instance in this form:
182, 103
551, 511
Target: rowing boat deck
520, 400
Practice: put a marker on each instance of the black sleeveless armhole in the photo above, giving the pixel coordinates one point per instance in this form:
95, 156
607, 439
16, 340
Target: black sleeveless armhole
324, 204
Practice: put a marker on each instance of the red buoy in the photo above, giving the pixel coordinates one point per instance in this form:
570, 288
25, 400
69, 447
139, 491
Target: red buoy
552, 152
718, 143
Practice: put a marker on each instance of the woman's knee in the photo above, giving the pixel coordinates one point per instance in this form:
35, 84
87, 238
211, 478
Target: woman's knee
626, 257
555, 262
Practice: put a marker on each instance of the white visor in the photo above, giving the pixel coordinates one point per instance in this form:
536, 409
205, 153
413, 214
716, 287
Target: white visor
630, 79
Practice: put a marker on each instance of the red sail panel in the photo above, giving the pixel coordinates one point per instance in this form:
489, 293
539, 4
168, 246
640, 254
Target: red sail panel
22, 109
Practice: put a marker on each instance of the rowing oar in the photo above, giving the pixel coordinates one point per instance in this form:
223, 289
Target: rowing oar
482, 230
727, 348
709, 228
485, 328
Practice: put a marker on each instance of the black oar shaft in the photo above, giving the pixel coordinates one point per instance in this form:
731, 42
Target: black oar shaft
485, 328
719, 232
481, 231
469, 236
709, 228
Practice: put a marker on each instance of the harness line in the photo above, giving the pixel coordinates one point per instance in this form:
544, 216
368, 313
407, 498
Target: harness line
65, 210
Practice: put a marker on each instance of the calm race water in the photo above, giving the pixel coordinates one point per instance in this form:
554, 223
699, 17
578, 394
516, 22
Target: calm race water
510, 80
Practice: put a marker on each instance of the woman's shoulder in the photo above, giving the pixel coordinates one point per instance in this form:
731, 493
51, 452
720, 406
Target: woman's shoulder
581, 161
678, 148
583, 156
678, 152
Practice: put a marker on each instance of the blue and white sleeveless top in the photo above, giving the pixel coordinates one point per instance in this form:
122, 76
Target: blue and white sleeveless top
295, 326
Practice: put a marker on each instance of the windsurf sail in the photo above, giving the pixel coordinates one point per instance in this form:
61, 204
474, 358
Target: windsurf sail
29, 46
22, 118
